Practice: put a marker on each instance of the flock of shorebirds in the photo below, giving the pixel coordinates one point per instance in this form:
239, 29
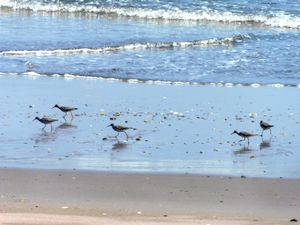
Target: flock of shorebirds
246, 135
118, 128
66, 109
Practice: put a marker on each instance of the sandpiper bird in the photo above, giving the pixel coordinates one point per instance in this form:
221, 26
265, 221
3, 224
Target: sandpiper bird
45, 120
65, 109
265, 126
120, 128
244, 134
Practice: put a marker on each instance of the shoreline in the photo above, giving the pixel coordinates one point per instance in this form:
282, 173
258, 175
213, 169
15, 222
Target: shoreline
146, 198
150, 173
34, 75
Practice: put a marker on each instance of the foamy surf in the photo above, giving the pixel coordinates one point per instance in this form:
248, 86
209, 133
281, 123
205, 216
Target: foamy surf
131, 39
67, 76
272, 19
134, 46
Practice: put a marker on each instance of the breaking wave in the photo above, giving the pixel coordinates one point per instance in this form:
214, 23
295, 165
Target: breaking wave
279, 19
135, 46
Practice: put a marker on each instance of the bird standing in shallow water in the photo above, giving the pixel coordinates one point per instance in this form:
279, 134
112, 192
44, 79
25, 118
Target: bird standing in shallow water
265, 126
65, 109
244, 134
45, 121
119, 128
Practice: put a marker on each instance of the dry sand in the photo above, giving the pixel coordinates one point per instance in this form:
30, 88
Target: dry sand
78, 197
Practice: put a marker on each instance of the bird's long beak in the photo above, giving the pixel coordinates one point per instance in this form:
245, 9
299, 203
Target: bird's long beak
109, 125
34, 119
53, 107
232, 132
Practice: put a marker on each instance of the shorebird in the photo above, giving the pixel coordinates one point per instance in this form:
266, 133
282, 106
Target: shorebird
265, 126
45, 121
65, 109
244, 134
119, 129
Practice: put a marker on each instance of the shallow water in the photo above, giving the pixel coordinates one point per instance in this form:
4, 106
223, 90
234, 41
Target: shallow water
206, 41
190, 137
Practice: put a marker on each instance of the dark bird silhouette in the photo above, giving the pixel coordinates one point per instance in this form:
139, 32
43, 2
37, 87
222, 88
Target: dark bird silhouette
65, 109
119, 128
45, 121
244, 134
265, 126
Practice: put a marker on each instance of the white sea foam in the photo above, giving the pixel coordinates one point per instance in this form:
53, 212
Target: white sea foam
31, 74
279, 19
277, 85
34, 75
255, 85
229, 84
133, 81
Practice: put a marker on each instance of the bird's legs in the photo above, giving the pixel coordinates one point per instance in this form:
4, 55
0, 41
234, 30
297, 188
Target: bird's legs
126, 135
242, 140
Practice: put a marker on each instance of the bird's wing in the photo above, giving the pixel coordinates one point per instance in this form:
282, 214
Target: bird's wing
120, 127
246, 133
67, 108
265, 124
49, 119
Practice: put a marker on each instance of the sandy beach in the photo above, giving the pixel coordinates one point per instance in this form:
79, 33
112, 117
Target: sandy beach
180, 166
149, 112
72, 197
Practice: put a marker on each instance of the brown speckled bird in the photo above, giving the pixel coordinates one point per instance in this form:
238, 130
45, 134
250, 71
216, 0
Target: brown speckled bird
45, 120
65, 109
119, 128
244, 134
265, 126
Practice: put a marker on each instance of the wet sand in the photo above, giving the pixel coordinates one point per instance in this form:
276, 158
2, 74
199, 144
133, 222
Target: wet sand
77, 197
179, 128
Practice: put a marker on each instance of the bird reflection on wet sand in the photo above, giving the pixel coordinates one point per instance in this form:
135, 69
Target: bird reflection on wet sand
119, 146
244, 150
45, 137
65, 126
265, 144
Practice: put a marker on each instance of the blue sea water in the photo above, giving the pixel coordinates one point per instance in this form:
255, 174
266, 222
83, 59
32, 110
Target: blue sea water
190, 41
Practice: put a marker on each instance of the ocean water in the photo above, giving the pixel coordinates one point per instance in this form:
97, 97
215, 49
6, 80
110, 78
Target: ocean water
240, 42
